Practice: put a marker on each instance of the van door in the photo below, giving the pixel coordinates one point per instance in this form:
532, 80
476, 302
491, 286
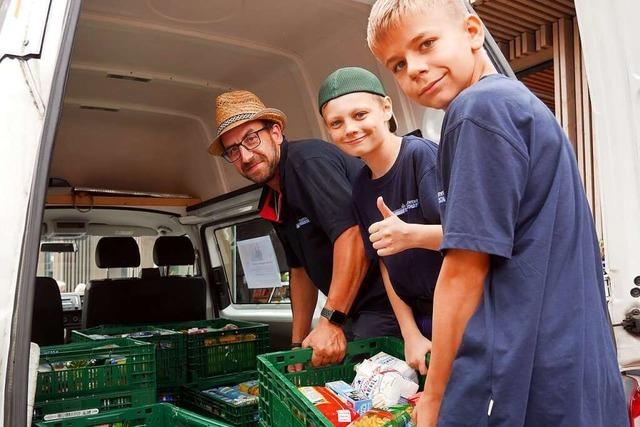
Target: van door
613, 71
246, 287
35, 46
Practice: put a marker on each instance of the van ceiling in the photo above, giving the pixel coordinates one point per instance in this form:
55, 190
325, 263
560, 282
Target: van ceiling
139, 106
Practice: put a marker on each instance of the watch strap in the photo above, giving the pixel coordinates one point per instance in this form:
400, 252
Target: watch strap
334, 316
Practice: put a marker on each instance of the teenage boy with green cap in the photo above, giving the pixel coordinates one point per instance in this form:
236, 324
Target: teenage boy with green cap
521, 335
394, 198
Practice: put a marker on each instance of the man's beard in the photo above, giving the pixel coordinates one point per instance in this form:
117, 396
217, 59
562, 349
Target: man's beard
267, 177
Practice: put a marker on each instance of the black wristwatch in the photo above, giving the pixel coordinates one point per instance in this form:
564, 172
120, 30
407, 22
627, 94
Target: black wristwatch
333, 316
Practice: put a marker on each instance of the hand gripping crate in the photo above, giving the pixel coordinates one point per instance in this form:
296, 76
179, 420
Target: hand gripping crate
171, 369
282, 405
219, 349
236, 415
157, 415
103, 375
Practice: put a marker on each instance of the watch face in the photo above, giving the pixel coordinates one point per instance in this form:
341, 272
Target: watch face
334, 316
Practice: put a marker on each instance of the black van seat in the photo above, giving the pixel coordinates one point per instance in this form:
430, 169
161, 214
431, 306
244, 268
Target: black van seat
47, 326
181, 298
151, 298
107, 301
149, 273
173, 250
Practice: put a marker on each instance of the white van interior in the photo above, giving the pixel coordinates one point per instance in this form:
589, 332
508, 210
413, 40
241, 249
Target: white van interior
141, 224
130, 162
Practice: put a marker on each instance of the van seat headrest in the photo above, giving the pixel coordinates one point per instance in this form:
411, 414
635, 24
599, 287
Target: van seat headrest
113, 252
173, 250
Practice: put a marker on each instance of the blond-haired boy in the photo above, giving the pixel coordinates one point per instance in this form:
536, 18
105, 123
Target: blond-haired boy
520, 329
394, 197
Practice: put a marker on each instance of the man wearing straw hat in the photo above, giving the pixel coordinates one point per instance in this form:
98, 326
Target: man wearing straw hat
307, 197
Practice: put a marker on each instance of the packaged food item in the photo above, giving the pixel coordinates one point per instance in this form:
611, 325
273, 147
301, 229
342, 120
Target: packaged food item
387, 362
96, 337
224, 339
165, 345
232, 396
385, 380
373, 418
116, 360
401, 416
395, 416
139, 335
196, 331
413, 399
384, 388
338, 412
358, 401
250, 387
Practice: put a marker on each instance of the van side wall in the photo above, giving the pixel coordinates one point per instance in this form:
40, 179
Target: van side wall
25, 84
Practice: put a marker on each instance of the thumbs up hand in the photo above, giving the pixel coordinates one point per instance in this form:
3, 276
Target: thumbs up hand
391, 235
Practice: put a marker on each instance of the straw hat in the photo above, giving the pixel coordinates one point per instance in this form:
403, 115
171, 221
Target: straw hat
238, 107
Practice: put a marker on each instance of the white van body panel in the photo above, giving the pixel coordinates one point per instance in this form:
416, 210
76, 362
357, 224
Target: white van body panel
612, 58
25, 85
613, 67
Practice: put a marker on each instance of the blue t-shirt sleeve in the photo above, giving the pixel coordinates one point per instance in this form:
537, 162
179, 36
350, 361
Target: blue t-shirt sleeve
428, 193
484, 174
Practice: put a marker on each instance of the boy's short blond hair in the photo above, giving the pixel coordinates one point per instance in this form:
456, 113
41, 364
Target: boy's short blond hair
386, 15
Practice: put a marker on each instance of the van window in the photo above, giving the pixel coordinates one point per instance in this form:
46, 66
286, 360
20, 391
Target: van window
76, 268
253, 260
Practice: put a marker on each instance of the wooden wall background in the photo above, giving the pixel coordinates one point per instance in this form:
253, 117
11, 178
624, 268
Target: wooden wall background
541, 40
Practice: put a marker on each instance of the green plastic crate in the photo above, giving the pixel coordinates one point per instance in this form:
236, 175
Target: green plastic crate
282, 405
158, 415
102, 402
138, 372
223, 351
170, 349
171, 395
240, 416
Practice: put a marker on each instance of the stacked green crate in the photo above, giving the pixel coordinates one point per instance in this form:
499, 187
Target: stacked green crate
196, 397
94, 376
170, 349
158, 415
282, 404
221, 346
221, 352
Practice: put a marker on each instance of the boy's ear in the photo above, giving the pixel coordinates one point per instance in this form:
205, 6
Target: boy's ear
388, 108
475, 31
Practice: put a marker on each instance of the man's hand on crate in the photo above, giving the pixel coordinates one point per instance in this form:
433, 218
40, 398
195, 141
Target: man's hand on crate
328, 342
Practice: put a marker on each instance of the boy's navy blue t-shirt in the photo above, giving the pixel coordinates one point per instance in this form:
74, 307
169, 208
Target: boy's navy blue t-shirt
409, 189
538, 351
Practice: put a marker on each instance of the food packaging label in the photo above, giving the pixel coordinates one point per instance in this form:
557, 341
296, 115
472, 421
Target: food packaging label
357, 400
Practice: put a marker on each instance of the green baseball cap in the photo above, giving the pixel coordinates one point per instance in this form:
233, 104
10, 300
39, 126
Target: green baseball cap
350, 80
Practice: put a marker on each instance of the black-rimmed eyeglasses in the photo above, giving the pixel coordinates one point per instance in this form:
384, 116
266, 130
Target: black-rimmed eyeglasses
249, 142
